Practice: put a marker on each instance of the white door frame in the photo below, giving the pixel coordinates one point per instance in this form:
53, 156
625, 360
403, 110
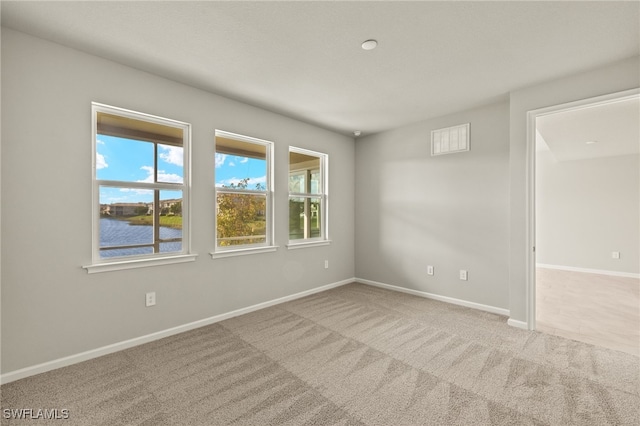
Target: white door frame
530, 263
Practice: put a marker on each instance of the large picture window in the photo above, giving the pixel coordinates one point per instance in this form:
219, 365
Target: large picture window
243, 192
141, 187
307, 196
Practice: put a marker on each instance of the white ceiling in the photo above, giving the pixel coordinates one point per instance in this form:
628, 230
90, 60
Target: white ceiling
602, 130
303, 59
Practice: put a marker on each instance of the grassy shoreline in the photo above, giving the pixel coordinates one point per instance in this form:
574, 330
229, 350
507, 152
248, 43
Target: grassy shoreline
144, 220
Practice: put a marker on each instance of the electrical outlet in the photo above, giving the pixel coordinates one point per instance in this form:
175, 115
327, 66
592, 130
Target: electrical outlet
615, 255
326, 264
429, 270
151, 299
463, 275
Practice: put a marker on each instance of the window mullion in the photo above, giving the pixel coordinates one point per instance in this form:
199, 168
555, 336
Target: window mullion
156, 203
155, 162
307, 206
141, 185
156, 221
223, 190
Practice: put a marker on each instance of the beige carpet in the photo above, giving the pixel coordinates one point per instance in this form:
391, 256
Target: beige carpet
354, 355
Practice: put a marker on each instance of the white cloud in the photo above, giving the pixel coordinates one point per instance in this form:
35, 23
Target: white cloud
261, 179
101, 163
244, 160
232, 164
169, 177
99, 142
172, 155
149, 171
251, 182
220, 158
162, 176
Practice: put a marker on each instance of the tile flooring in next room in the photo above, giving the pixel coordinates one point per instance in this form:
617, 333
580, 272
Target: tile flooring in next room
598, 309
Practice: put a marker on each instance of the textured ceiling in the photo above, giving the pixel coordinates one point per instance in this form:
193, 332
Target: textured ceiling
304, 60
603, 130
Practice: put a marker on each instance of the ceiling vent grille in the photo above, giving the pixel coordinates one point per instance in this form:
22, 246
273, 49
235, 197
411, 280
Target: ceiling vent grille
450, 140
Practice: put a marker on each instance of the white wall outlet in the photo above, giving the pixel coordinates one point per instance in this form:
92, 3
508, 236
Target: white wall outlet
151, 299
463, 275
615, 255
429, 270
326, 264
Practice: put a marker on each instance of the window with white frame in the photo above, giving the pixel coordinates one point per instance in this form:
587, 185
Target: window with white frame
140, 185
307, 196
243, 192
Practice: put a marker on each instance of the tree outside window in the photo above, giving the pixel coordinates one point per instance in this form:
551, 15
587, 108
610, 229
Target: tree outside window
243, 192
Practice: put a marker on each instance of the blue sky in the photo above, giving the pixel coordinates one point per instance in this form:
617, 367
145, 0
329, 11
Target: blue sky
132, 161
232, 169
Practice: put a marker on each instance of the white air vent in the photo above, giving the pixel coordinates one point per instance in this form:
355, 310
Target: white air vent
450, 140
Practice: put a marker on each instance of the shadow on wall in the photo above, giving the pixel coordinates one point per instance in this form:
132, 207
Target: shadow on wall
432, 213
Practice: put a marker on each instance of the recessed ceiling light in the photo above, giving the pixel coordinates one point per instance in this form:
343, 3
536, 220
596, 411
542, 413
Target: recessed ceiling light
591, 142
357, 133
369, 44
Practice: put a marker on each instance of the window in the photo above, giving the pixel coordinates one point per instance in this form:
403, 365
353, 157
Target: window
243, 193
307, 197
140, 185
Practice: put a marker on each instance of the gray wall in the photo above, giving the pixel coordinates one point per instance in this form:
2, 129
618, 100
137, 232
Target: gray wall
456, 211
449, 211
51, 307
617, 77
586, 209
441, 220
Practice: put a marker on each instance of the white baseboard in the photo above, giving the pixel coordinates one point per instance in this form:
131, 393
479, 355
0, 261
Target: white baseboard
105, 350
486, 308
518, 324
588, 271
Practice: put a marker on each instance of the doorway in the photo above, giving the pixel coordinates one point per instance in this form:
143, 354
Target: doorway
584, 281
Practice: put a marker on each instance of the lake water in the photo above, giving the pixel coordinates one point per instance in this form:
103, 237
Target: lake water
119, 232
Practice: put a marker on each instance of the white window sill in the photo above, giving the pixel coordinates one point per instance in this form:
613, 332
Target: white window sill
139, 263
242, 251
294, 246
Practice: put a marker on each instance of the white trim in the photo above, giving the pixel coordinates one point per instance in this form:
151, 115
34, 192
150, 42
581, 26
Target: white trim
242, 138
588, 103
268, 245
139, 263
101, 264
242, 251
105, 350
530, 219
324, 193
454, 301
518, 324
530, 231
294, 246
588, 271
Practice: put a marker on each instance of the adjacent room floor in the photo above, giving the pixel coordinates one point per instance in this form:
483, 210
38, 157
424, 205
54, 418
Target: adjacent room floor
601, 310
